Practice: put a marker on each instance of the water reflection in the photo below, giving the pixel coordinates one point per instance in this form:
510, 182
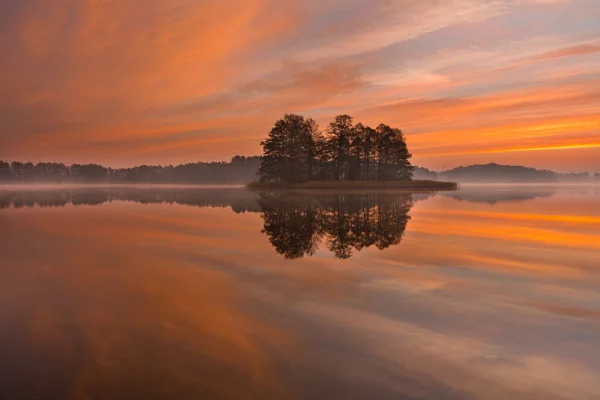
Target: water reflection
169, 294
499, 194
241, 200
297, 223
238, 199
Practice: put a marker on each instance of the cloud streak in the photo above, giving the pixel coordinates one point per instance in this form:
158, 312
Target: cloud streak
116, 82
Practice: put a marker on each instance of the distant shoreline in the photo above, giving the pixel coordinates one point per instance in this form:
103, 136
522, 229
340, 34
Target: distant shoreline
358, 185
67, 185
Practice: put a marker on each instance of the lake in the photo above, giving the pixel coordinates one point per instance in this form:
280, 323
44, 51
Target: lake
193, 293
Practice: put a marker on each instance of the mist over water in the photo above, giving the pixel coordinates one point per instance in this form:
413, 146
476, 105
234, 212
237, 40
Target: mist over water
488, 292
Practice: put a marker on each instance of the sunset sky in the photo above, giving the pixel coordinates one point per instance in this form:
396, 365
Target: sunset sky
125, 82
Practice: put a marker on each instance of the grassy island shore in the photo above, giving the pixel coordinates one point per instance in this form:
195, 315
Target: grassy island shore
359, 185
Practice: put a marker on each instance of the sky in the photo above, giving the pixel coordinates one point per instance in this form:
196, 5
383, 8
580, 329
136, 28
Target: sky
126, 82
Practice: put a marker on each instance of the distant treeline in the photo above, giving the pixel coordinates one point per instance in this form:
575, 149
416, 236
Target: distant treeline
297, 151
496, 173
578, 177
499, 173
239, 170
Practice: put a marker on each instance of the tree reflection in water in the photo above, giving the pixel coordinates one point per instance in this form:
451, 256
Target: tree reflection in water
297, 224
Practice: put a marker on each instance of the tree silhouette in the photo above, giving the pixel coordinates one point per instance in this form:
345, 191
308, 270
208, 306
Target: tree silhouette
5, 171
339, 134
296, 151
291, 151
392, 154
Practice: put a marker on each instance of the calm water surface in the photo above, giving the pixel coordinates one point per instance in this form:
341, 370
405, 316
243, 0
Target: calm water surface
150, 293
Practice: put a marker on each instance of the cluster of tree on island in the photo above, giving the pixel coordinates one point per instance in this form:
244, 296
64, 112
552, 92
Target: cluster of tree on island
297, 151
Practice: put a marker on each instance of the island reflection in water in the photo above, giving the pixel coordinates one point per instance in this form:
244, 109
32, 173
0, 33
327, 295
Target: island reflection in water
476, 294
295, 223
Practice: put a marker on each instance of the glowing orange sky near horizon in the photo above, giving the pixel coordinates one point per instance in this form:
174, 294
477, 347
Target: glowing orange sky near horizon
131, 81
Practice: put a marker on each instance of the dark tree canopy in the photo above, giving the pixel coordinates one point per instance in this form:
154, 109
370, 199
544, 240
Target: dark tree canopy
296, 151
291, 151
340, 134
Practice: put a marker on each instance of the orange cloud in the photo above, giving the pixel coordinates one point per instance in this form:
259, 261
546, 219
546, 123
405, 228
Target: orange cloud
132, 81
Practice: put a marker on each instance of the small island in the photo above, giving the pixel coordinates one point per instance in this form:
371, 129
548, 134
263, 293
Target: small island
298, 155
